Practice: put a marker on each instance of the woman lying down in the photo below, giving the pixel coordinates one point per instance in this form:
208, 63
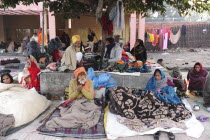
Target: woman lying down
18, 105
156, 106
80, 110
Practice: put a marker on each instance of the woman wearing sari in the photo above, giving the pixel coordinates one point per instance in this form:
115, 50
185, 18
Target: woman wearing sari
162, 87
197, 77
31, 72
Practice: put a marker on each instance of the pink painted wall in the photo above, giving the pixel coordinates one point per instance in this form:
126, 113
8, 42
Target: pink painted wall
132, 30
141, 29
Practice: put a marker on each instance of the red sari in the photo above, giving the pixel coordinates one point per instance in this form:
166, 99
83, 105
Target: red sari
35, 79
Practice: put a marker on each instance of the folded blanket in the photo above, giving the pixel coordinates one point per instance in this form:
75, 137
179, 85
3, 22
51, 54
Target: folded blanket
81, 113
6, 122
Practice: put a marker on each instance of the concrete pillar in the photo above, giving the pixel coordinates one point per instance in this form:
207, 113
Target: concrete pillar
132, 30
52, 25
2, 29
141, 29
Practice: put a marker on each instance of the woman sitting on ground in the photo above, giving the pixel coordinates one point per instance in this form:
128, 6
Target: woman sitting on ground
162, 87
30, 77
197, 77
6, 78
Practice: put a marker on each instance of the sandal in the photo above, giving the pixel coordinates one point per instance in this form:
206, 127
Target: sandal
156, 135
202, 118
171, 136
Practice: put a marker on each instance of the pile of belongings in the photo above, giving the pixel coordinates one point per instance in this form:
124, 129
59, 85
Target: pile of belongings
102, 80
8, 61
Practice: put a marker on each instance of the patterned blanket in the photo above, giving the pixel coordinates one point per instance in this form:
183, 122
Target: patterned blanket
95, 132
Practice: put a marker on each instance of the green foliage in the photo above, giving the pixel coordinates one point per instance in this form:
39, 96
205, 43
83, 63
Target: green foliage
75, 8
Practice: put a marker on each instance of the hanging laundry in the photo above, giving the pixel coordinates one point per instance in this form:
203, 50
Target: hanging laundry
151, 38
160, 45
117, 15
175, 38
156, 38
184, 30
165, 41
107, 24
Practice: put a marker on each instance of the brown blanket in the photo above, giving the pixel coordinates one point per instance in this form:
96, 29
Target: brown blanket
6, 122
80, 113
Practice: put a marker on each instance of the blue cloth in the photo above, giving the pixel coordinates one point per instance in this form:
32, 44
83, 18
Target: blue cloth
169, 94
102, 80
143, 69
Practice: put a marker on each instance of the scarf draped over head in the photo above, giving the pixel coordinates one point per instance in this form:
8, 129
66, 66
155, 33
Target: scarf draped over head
75, 38
153, 84
168, 95
197, 78
77, 72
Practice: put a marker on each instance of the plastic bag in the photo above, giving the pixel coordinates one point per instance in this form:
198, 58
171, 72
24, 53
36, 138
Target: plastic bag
111, 83
91, 74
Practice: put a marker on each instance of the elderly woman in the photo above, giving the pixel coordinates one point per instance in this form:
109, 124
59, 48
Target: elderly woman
80, 86
197, 77
72, 57
30, 75
162, 87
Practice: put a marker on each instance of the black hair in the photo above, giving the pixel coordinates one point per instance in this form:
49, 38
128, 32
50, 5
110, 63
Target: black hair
110, 40
6, 74
141, 43
157, 70
160, 60
56, 39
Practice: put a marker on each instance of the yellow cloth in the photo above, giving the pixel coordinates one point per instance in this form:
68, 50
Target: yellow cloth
151, 38
75, 38
73, 93
105, 117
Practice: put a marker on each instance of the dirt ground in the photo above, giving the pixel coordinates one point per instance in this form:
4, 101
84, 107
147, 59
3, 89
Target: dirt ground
184, 58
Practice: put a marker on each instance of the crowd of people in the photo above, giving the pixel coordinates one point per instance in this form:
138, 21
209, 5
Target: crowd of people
157, 101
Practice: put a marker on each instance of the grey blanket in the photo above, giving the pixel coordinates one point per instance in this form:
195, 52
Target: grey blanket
6, 122
80, 113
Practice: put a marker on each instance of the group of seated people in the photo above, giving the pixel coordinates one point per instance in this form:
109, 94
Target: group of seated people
157, 101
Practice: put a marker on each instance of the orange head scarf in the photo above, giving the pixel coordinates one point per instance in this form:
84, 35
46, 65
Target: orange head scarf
77, 72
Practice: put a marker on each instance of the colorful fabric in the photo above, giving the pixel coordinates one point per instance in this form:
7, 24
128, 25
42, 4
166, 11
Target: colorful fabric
197, 79
96, 132
145, 107
31, 78
166, 94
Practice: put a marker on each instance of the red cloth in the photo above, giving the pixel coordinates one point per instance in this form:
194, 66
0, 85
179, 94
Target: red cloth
56, 56
35, 79
107, 24
125, 56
